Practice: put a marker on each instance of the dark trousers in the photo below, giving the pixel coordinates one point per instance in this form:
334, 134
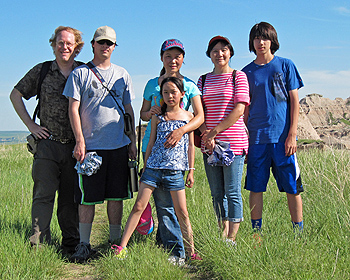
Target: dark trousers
53, 170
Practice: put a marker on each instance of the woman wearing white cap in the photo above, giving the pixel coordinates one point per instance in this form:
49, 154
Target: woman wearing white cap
172, 55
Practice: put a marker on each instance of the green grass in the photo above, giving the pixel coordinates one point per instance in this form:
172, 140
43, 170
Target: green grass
345, 121
322, 252
309, 141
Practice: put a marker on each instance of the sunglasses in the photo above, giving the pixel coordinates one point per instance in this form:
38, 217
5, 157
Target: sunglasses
102, 42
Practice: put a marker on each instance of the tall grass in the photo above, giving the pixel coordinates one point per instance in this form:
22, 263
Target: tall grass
321, 252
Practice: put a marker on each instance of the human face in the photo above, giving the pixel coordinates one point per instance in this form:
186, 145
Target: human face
262, 46
220, 55
65, 46
172, 60
102, 50
171, 94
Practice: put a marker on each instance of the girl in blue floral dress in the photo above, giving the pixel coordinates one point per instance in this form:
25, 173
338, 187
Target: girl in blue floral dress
166, 166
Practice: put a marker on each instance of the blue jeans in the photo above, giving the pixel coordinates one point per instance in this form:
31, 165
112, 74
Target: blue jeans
169, 231
225, 187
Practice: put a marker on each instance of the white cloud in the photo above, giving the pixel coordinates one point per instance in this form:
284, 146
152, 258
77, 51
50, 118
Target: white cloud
343, 11
328, 83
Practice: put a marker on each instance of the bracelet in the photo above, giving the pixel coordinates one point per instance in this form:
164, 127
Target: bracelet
192, 168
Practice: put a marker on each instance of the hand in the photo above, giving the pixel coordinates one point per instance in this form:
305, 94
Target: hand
155, 109
132, 151
79, 151
210, 145
39, 131
290, 145
209, 140
208, 135
173, 138
189, 179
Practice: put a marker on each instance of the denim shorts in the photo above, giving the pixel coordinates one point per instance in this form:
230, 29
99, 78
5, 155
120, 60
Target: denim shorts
169, 180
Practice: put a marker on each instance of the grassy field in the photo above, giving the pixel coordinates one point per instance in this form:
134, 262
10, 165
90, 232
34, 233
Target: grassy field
322, 252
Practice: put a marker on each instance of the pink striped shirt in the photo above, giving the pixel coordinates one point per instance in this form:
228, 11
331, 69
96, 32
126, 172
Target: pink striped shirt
219, 97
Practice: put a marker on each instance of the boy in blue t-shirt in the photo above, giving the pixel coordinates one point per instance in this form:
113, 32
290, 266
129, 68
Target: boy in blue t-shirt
272, 120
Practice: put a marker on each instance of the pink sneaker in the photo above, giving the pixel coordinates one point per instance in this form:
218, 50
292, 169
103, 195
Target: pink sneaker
120, 252
195, 257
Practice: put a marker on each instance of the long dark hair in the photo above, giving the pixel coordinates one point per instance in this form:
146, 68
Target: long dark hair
178, 83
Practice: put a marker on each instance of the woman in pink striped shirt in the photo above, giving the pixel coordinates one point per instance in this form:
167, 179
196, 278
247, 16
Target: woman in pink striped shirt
225, 94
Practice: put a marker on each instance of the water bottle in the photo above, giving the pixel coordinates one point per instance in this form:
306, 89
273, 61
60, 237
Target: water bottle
133, 180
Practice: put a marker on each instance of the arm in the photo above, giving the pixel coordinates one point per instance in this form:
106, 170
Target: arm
246, 114
152, 138
132, 136
147, 111
191, 155
75, 121
233, 116
17, 102
291, 142
175, 136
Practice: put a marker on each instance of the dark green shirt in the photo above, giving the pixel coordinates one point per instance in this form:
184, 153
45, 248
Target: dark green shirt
53, 105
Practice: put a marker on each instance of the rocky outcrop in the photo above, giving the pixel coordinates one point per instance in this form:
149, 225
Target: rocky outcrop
325, 119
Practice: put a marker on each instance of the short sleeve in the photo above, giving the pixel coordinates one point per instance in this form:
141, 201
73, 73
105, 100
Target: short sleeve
150, 88
73, 85
129, 93
241, 88
191, 88
293, 78
28, 85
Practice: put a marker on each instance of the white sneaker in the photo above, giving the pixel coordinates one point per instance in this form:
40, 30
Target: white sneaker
175, 260
231, 243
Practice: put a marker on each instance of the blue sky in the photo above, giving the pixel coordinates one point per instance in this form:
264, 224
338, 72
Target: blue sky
314, 34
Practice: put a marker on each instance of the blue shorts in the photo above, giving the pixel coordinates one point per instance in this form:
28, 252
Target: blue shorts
285, 169
168, 180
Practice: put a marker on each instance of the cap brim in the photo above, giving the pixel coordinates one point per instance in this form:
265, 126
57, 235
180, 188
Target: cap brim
99, 38
219, 38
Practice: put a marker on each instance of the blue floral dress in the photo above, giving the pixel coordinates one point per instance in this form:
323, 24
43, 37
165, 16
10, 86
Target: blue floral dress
175, 158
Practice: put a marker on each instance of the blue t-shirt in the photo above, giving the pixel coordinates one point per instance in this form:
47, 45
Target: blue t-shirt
269, 86
152, 93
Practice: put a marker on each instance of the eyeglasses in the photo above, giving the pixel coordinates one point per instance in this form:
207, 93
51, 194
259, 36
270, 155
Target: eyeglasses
102, 42
68, 44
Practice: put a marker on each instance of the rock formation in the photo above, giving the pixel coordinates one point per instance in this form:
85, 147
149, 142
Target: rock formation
325, 119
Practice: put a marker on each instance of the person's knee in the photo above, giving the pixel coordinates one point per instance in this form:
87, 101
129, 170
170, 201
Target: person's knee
138, 207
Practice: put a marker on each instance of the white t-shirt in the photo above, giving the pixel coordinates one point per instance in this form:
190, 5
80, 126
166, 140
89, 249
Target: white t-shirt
101, 119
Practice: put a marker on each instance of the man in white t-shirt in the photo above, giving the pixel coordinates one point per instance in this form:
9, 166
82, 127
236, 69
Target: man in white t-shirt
99, 95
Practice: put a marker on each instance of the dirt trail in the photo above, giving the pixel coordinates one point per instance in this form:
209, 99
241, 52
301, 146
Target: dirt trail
98, 236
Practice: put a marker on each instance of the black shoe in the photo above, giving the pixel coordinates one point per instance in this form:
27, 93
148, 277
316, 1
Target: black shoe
82, 253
